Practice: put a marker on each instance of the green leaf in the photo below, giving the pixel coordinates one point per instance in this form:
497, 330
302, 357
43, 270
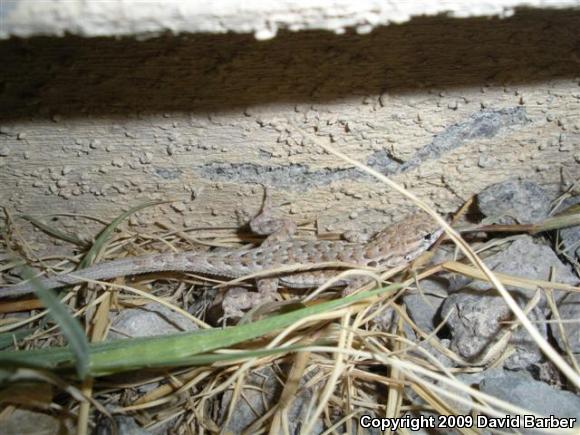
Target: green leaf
7, 339
176, 349
54, 232
70, 327
106, 234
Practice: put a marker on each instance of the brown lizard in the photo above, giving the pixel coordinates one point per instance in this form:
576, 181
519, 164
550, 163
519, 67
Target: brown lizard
395, 246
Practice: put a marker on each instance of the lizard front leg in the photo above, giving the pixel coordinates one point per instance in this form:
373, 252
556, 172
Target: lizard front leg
237, 300
265, 224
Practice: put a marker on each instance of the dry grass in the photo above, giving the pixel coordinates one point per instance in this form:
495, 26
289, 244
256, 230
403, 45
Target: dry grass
349, 360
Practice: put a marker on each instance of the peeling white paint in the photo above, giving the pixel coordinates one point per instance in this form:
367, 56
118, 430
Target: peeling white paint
25, 18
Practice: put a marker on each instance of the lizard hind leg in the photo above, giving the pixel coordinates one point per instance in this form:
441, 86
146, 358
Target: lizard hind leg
355, 284
237, 301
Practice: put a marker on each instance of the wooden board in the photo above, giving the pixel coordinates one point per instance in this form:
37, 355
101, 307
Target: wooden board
444, 106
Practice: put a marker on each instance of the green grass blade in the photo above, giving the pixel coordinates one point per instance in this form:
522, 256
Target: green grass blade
177, 349
211, 358
54, 232
106, 234
7, 339
69, 326
561, 221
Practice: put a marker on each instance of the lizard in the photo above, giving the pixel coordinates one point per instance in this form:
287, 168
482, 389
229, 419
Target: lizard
395, 246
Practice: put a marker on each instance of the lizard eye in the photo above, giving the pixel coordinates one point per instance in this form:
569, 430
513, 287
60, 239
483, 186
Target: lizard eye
427, 237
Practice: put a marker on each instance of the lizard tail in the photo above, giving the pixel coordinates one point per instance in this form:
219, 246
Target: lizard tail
103, 271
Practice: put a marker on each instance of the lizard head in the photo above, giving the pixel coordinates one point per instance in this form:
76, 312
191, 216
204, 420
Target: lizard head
403, 241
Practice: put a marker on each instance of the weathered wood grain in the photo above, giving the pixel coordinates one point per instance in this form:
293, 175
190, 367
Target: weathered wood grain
93, 126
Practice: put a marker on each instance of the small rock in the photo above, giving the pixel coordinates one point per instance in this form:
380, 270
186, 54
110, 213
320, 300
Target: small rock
526, 258
264, 388
476, 325
514, 202
388, 320
260, 391
471, 379
547, 372
436, 352
570, 237
520, 389
457, 407
125, 425
22, 421
423, 307
569, 309
149, 320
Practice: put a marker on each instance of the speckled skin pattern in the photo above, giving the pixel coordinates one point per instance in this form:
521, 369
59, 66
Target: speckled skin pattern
395, 246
